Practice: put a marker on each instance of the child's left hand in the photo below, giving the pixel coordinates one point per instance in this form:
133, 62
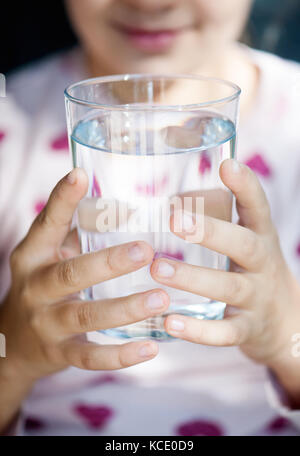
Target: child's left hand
262, 294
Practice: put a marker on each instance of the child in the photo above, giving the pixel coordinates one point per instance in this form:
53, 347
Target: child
247, 381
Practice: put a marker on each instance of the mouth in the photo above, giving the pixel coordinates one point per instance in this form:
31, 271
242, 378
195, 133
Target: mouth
150, 40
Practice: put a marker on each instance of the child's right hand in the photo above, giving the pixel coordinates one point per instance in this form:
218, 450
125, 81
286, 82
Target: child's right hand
43, 319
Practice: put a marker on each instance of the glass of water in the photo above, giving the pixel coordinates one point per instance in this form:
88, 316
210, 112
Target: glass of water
152, 144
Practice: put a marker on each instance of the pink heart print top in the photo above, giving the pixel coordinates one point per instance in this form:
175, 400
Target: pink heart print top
188, 389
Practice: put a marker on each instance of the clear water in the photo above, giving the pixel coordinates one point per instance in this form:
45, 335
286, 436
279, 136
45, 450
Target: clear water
140, 169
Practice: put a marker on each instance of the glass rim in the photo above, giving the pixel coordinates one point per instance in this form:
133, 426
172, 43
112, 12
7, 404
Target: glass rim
151, 107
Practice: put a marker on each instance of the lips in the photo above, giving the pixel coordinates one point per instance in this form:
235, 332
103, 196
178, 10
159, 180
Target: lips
150, 40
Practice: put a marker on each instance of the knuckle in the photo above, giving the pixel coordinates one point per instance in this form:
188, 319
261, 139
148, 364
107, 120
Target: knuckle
201, 335
66, 274
122, 358
232, 336
88, 361
128, 312
234, 289
190, 279
35, 319
45, 218
25, 295
249, 246
209, 231
67, 317
110, 261
52, 353
249, 290
253, 248
84, 316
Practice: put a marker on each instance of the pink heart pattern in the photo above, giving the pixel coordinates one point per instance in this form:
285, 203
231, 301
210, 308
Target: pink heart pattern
204, 164
95, 416
33, 423
199, 427
96, 190
153, 188
103, 379
172, 256
39, 206
279, 423
2, 135
259, 165
60, 144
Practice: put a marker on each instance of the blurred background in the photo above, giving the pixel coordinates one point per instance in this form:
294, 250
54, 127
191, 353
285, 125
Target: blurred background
31, 29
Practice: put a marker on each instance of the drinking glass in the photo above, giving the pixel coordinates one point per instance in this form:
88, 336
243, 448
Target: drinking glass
151, 146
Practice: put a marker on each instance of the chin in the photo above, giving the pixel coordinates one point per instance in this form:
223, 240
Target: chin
153, 65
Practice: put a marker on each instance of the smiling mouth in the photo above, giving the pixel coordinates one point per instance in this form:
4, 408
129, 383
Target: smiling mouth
150, 40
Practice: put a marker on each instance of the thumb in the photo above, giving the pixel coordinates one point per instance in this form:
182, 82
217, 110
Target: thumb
52, 225
251, 202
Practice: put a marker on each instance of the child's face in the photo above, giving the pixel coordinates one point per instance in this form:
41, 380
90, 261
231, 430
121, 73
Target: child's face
137, 36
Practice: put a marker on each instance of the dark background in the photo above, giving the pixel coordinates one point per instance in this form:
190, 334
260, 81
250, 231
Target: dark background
30, 29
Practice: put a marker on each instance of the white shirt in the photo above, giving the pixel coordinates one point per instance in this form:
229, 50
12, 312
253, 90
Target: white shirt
187, 389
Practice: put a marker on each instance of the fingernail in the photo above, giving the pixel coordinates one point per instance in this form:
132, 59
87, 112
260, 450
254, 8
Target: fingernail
188, 223
71, 177
154, 301
145, 351
136, 253
236, 167
177, 325
165, 269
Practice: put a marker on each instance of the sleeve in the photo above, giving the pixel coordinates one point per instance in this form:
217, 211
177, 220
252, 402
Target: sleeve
278, 400
12, 137
15, 428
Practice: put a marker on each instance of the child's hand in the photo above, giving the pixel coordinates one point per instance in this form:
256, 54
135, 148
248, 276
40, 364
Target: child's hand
263, 293
42, 317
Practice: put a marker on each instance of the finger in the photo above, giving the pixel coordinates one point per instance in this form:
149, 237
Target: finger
70, 276
215, 202
71, 245
230, 287
72, 318
52, 225
90, 356
72, 240
240, 244
231, 331
252, 204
